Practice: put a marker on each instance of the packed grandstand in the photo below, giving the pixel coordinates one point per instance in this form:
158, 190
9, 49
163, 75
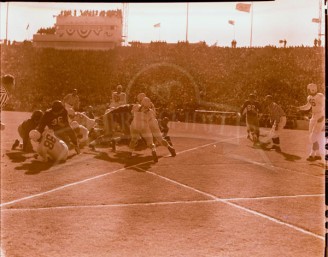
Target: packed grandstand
179, 78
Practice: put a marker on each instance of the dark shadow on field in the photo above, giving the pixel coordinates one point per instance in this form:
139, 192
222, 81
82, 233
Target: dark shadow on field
287, 156
290, 157
35, 167
122, 157
17, 156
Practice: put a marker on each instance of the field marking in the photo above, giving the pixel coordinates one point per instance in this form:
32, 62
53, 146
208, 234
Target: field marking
271, 197
110, 205
96, 177
240, 207
214, 198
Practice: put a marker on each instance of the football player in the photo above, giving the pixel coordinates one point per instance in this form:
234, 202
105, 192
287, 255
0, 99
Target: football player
49, 146
251, 109
24, 129
315, 102
83, 120
147, 105
72, 100
81, 133
278, 119
56, 118
118, 97
140, 127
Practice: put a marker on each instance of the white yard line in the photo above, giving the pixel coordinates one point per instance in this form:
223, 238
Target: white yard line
240, 207
108, 205
272, 197
214, 198
96, 177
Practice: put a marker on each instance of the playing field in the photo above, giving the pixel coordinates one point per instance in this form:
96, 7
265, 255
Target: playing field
218, 197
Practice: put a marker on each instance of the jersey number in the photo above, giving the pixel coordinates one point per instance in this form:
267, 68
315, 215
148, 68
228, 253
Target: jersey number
56, 121
49, 142
312, 102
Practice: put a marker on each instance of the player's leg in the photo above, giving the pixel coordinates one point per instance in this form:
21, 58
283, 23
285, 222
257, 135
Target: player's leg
314, 138
148, 137
21, 134
276, 137
156, 132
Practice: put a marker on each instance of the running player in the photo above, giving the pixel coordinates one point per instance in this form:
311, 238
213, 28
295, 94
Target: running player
278, 119
315, 102
251, 109
147, 105
49, 146
140, 127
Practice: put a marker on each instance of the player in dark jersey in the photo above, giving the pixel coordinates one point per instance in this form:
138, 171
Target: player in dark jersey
24, 129
251, 109
56, 118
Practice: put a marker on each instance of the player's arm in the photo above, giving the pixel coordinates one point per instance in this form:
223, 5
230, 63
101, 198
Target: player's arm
43, 122
305, 107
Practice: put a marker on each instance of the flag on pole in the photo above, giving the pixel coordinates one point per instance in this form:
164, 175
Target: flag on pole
316, 20
158, 25
231, 22
281, 41
243, 7
28, 25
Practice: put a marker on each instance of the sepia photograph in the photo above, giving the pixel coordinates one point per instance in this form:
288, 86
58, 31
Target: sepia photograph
163, 129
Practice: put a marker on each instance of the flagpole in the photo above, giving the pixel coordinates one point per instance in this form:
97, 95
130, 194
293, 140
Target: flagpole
7, 23
251, 24
187, 22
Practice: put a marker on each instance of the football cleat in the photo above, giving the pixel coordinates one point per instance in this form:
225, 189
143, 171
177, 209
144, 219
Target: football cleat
317, 157
16, 144
155, 158
311, 158
172, 151
77, 149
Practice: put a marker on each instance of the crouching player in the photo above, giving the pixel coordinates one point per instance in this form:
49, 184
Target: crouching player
316, 102
24, 129
56, 118
48, 146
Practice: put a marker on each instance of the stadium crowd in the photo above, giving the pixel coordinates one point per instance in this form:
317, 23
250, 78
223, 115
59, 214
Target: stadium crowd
179, 78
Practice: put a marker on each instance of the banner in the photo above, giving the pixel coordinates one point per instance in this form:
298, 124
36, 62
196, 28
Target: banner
157, 25
316, 20
243, 7
231, 22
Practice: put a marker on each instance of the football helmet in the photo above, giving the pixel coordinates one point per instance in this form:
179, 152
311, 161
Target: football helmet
34, 135
312, 88
57, 106
37, 115
74, 124
146, 102
140, 97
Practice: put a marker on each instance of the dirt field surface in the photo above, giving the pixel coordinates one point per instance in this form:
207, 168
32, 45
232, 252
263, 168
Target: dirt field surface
219, 197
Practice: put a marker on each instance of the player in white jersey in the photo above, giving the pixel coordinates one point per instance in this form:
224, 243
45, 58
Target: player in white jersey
140, 127
154, 126
82, 119
48, 146
118, 97
315, 102
81, 133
